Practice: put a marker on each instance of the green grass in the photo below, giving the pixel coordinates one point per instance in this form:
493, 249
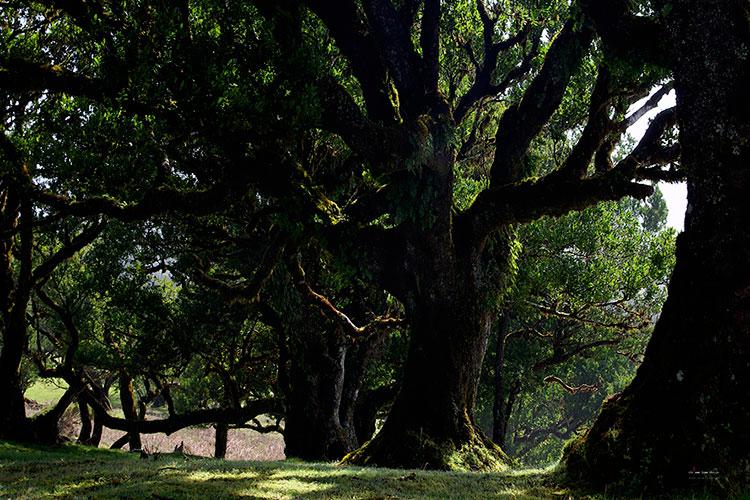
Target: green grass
46, 391
73, 471
49, 391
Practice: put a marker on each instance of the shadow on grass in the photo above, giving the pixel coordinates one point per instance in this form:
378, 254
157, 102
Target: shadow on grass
73, 471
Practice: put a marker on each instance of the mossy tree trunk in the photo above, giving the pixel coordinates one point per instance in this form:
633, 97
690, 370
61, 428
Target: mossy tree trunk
448, 296
15, 290
687, 409
431, 423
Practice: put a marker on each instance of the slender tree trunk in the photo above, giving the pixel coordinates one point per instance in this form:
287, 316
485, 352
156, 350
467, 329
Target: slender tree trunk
102, 393
513, 392
498, 408
127, 398
220, 443
369, 404
686, 411
96, 433
84, 435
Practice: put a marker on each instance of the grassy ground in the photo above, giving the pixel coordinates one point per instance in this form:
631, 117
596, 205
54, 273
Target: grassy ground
73, 471
46, 391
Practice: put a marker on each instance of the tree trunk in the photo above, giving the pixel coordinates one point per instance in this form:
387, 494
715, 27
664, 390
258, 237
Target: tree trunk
220, 443
46, 425
369, 404
498, 408
96, 433
15, 213
84, 435
13, 422
313, 427
431, 424
449, 288
686, 411
127, 398
102, 394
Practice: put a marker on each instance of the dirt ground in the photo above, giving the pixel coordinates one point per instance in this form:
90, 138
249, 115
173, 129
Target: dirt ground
243, 444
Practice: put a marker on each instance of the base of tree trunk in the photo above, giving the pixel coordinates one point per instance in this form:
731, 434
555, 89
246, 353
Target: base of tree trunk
407, 449
648, 441
41, 430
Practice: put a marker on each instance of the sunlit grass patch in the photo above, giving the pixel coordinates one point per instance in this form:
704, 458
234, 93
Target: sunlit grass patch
46, 390
74, 471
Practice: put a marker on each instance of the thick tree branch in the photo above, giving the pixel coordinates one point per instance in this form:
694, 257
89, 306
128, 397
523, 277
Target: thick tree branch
430, 41
79, 242
552, 195
157, 201
356, 43
647, 106
633, 37
248, 293
557, 193
397, 51
522, 122
18, 75
342, 116
174, 423
596, 130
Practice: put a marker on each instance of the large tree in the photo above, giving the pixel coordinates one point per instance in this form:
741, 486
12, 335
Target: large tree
415, 90
449, 266
685, 414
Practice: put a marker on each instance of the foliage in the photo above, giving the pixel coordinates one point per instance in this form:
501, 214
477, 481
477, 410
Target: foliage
588, 289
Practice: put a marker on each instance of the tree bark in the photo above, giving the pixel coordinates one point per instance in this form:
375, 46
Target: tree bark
449, 289
686, 410
84, 435
498, 408
314, 428
13, 421
220, 443
431, 424
127, 398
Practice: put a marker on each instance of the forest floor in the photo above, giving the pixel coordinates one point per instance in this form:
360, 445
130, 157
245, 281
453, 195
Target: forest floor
72, 471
